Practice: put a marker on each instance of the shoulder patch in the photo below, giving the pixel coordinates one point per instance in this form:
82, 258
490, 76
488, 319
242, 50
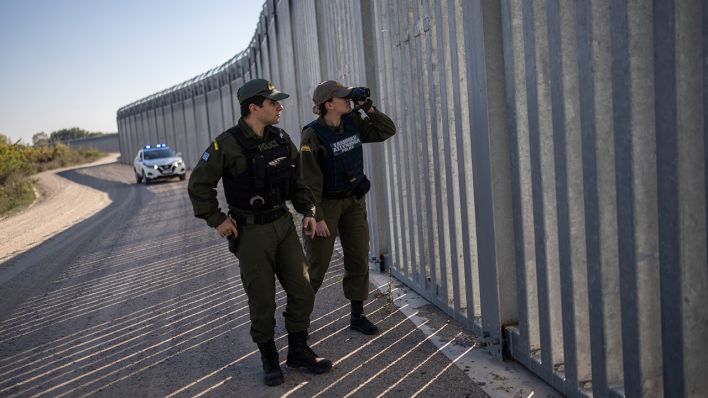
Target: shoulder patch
206, 155
216, 145
305, 148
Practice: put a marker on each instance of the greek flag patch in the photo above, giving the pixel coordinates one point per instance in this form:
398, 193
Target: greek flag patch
205, 156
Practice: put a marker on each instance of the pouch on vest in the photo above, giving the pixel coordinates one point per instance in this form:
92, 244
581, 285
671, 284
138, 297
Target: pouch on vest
280, 175
362, 188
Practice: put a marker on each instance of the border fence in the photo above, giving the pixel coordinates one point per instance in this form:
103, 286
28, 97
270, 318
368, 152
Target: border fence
547, 186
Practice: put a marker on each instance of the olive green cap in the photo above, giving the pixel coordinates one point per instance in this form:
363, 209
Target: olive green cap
259, 87
330, 89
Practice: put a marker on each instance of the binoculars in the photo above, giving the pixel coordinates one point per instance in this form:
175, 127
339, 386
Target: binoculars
360, 94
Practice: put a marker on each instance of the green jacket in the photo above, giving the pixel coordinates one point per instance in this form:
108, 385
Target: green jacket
376, 127
225, 153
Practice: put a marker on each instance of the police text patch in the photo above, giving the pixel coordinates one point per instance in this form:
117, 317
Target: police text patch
205, 156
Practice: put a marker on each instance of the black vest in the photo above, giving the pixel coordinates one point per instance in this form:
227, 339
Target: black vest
270, 175
343, 167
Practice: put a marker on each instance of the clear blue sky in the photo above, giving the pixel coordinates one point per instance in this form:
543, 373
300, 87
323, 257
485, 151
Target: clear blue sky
73, 63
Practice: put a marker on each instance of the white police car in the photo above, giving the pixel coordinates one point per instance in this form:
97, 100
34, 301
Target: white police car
158, 162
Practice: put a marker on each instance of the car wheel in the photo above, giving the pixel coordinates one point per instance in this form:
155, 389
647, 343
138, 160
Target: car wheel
145, 179
182, 177
138, 179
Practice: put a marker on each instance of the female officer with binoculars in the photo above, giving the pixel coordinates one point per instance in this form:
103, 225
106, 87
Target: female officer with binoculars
332, 166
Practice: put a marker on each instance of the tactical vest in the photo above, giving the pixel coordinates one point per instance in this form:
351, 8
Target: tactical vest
270, 175
343, 167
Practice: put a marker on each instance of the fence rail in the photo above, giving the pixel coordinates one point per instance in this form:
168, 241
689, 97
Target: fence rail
547, 186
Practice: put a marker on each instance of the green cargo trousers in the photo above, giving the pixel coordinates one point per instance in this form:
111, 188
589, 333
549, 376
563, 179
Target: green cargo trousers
264, 252
346, 218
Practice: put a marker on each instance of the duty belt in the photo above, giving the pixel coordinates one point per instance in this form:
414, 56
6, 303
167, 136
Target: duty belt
259, 218
337, 195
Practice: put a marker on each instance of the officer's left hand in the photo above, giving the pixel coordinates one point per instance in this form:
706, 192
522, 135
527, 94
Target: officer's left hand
309, 225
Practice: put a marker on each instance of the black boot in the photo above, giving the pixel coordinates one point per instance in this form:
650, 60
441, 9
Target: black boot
272, 375
301, 355
359, 321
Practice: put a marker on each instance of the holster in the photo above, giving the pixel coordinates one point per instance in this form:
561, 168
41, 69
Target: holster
233, 245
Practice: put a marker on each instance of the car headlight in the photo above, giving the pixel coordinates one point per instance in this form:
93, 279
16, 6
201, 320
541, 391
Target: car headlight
154, 166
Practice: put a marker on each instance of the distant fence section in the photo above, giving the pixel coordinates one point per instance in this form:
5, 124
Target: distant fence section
547, 185
103, 143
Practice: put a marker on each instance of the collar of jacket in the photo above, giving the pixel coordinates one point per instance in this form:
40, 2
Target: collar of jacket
335, 130
249, 133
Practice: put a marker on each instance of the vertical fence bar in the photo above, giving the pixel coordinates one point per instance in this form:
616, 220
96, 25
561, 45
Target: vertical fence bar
160, 124
514, 50
539, 125
452, 159
579, 338
428, 150
226, 105
442, 108
624, 172
491, 162
388, 84
180, 131
385, 82
418, 114
556, 73
169, 126
374, 156
600, 200
403, 116
191, 126
641, 68
470, 302
667, 174
691, 112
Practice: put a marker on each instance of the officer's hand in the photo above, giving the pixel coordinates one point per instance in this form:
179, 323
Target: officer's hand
322, 229
227, 228
367, 105
309, 225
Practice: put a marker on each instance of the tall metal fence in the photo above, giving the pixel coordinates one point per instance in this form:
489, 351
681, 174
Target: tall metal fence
547, 185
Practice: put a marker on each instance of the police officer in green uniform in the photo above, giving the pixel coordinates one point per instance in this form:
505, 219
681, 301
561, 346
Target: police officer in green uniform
332, 165
257, 163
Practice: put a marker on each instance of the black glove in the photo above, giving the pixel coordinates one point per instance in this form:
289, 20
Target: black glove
365, 106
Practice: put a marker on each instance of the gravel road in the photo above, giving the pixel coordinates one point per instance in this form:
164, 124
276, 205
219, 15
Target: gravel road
60, 204
138, 298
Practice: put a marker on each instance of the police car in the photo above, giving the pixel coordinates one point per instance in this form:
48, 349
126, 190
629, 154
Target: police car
158, 162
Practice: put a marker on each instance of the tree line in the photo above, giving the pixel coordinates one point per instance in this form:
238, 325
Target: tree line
62, 135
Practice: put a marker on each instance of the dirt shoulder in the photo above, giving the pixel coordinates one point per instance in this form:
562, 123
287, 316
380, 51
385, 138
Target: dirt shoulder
60, 204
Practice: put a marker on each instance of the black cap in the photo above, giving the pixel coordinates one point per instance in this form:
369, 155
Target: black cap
259, 87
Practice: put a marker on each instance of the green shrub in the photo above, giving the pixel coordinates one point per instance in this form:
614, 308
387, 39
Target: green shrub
18, 162
15, 192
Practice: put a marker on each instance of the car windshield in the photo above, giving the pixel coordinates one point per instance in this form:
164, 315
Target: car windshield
159, 153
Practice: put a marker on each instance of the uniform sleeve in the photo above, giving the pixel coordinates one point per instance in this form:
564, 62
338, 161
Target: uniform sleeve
303, 200
202, 185
376, 127
309, 170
